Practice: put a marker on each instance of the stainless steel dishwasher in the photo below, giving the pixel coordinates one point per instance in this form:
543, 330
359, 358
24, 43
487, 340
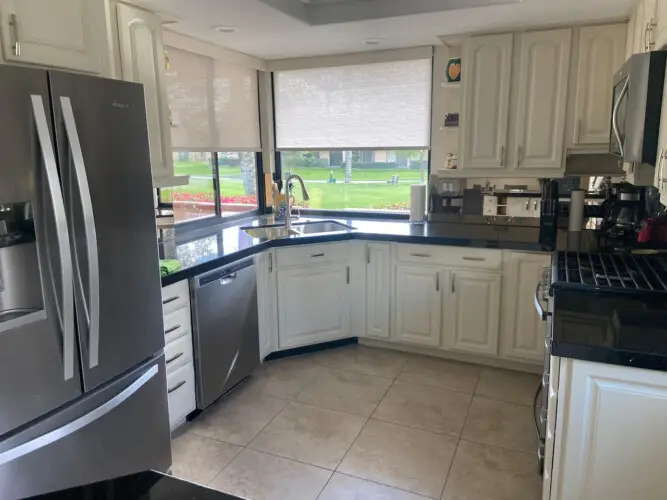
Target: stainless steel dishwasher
226, 331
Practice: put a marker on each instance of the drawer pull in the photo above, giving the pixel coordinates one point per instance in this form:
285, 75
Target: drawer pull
169, 300
172, 329
316, 255
475, 259
171, 360
424, 255
176, 387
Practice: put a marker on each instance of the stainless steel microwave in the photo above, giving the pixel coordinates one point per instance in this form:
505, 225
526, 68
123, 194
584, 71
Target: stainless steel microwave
636, 107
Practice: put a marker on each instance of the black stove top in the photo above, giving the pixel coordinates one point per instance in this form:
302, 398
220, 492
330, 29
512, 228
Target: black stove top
610, 272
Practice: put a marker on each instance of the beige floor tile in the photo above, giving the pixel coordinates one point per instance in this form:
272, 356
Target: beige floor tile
310, 434
345, 391
402, 457
509, 425
366, 360
440, 373
506, 385
238, 418
490, 473
424, 407
284, 378
200, 459
258, 476
342, 487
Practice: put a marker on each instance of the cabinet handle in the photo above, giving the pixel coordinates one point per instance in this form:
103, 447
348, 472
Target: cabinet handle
270, 262
316, 255
171, 360
453, 281
348, 275
519, 152
424, 255
528, 205
172, 329
169, 300
535, 205
646, 30
577, 131
368, 255
502, 156
651, 38
437, 282
475, 259
176, 387
14, 23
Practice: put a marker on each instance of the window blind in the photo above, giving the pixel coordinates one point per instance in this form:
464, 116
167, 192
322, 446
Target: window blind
214, 105
381, 106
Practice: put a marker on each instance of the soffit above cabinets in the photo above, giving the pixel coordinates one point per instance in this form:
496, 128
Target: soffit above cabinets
278, 29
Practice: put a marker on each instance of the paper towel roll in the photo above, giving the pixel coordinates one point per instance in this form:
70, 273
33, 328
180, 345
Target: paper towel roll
576, 219
417, 202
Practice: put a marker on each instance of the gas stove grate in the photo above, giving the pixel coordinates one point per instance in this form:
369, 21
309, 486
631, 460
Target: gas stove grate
613, 270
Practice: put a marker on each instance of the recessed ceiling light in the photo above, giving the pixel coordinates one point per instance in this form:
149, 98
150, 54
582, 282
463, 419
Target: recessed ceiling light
225, 29
372, 41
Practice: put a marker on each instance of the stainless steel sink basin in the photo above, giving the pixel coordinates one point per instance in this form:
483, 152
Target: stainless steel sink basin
277, 231
327, 226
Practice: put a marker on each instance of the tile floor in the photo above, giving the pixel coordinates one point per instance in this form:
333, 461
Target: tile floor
363, 423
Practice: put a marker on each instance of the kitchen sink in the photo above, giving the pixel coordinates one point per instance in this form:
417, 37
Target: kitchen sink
277, 231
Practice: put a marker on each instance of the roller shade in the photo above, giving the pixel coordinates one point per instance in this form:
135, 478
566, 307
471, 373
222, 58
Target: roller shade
377, 106
214, 105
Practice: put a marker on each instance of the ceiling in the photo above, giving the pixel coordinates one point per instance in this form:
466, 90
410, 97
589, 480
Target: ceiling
275, 29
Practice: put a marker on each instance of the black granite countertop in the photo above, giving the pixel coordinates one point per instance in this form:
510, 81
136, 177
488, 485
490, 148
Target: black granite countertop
147, 485
204, 250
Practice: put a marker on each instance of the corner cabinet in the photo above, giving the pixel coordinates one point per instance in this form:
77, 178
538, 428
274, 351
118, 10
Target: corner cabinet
487, 74
601, 54
419, 304
544, 71
378, 289
68, 34
143, 61
473, 313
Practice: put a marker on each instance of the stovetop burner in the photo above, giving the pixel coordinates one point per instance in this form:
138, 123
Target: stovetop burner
618, 271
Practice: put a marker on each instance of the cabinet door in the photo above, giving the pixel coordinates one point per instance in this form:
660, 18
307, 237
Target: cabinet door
522, 330
601, 54
313, 305
611, 433
378, 289
486, 74
641, 30
630, 39
142, 61
57, 33
660, 179
542, 95
418, 305
650, 17
659, 35
267, 296
474, 315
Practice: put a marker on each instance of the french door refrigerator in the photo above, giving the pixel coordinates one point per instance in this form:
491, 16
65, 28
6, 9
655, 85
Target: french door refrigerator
82, 374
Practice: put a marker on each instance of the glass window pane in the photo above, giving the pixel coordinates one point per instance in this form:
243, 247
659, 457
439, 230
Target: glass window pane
238, 182
357, 180
197, 199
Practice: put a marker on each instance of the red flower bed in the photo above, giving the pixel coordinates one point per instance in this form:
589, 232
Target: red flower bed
249, 199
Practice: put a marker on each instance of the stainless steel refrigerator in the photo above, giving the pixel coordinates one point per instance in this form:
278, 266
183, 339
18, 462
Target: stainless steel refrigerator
82, 375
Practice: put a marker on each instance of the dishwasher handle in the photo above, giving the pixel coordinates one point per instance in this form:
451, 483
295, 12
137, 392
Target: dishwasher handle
228, 279
223, 275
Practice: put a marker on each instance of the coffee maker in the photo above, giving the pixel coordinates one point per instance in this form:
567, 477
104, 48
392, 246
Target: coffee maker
624, 209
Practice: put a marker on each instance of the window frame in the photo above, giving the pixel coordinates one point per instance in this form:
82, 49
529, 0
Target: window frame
218, 218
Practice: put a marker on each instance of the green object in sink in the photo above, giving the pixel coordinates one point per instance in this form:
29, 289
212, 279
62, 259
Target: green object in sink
169, 266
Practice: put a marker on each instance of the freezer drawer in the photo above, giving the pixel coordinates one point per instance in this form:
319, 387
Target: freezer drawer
119, 429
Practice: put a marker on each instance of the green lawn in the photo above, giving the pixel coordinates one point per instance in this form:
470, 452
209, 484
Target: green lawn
322, 196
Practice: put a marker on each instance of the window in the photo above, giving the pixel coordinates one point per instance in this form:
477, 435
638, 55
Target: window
358, 135
236, 176
371, 181
214, 114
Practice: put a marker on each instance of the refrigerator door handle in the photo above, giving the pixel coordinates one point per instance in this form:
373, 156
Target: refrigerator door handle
81, 422
92, 309
66, 313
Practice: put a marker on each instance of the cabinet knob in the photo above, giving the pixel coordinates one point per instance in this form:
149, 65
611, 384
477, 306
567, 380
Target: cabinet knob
16, 42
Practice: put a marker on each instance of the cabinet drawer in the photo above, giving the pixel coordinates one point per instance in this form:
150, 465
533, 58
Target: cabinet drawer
312, 254
178, 353
177, 324
459, 257
175, 296
181, 394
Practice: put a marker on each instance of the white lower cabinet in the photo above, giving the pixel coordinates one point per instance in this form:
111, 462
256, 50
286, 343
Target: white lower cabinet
610, 433
313, 305
378, 289
523, 330
181, 394
267, 302
418, 304
473, 312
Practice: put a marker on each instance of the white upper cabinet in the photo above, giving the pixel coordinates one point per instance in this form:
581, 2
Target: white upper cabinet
601, 54
418, 304
143, 61
473, 313
660, 30
544, 70
378, 289
487, 73
67, 34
